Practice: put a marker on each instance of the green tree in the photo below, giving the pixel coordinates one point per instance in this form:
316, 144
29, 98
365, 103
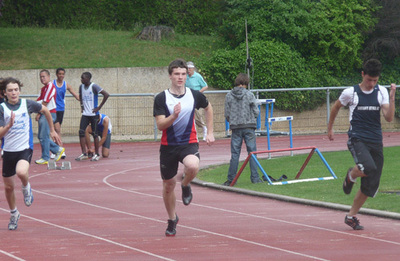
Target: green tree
328, 33
276, 65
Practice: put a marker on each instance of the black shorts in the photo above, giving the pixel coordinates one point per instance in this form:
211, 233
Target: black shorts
59, 117
170, 156
85, 121
10, 160
369, 159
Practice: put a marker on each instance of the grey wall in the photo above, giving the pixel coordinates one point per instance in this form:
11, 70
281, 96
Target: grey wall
113, 80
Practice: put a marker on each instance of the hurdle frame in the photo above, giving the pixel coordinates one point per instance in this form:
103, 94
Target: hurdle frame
296, 179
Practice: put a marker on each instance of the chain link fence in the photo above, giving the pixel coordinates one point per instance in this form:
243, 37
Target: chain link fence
132, 115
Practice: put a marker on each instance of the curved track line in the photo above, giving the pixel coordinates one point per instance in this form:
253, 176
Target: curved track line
156, 220
251, 215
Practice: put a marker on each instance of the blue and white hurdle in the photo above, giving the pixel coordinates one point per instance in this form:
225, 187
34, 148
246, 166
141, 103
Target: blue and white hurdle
276, 119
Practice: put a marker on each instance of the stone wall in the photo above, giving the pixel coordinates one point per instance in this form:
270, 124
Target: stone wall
113, 80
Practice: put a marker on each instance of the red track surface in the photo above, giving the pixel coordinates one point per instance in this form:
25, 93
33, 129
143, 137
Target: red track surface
112, 210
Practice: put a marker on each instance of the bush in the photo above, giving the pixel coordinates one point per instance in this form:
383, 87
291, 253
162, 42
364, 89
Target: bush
276, 65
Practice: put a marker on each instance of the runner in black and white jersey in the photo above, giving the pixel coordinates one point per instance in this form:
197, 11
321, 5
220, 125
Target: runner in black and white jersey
366, 101
174, 113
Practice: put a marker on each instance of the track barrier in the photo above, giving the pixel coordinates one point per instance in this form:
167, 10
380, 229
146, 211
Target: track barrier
297, 179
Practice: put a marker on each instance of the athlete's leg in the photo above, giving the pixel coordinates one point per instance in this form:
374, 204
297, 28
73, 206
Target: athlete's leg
9, 191
169, 197
191, 168
22, 170
82, 127
358, 202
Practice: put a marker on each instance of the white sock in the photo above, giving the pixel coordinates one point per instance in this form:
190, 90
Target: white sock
28, 186
351, 178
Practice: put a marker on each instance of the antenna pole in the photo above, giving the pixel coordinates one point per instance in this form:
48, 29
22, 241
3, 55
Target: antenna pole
247, 54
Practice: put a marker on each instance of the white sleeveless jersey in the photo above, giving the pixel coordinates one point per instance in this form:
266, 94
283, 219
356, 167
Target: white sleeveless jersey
20, 136
89, 100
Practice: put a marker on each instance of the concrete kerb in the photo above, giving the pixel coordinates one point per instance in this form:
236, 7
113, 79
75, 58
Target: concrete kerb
315, 203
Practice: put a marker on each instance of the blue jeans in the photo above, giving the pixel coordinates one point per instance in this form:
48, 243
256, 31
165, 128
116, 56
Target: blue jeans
44, 137
249, 137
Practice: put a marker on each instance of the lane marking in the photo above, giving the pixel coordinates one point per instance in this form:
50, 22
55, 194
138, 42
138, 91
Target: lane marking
11, 255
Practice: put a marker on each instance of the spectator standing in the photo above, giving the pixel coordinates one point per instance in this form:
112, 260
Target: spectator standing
196, 82
241, 111
47, 97
61, 88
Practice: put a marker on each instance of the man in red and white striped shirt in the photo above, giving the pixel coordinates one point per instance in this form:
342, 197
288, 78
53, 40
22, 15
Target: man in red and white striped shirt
47, 97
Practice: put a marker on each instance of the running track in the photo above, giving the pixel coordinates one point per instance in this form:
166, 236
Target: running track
113, 210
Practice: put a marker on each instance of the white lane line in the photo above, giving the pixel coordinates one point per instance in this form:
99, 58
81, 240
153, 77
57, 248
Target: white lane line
254, 216
90, 235
11, 255
156, 220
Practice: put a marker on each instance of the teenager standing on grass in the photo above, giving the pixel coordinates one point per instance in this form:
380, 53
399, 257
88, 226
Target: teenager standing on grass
174, 111
16, 129
241, 111
365, 101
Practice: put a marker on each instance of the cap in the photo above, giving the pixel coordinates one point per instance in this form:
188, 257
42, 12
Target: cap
190, 64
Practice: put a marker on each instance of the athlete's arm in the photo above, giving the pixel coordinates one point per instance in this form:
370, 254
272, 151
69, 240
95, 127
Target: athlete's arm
105, 131
165, 122
209, 122
334, 112
7, 127
71, 91
105, 97
388, 109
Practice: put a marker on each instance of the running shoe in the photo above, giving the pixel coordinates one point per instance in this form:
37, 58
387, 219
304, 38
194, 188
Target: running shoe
353, 222
41, 161
28, 196
171, 229
63, 156
14, 221
227, 183
83, 156
96, 157
60, 152
347, 183
52, 155
187, 195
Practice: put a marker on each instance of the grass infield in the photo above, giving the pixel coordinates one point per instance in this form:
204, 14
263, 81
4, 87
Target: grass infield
387, 199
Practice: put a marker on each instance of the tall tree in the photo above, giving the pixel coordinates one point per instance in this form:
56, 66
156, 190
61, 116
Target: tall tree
329, 33
384, 41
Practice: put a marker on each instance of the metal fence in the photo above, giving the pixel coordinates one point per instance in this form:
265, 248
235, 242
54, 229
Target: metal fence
132, 114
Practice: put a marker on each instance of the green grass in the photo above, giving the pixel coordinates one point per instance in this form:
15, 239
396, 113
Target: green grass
327, 191
37, 48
